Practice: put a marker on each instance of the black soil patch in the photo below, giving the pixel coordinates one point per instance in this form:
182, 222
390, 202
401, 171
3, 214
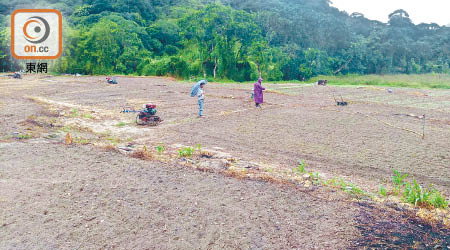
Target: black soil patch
386, 228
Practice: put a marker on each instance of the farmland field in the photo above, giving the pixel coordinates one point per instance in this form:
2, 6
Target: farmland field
361, 143
430, 81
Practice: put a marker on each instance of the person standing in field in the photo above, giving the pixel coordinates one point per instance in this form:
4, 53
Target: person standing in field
201, 99
258, 93
197, 90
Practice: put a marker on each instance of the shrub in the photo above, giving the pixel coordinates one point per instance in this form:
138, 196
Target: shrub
23, 136
160, 149
186, 152
121, 124
416, 194
383, 191
438, 200
399, 181
301, 167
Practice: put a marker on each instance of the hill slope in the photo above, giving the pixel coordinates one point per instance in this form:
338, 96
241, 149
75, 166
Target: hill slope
231, 39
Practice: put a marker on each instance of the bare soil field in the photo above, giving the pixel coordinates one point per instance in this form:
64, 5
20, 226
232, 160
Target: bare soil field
79, 196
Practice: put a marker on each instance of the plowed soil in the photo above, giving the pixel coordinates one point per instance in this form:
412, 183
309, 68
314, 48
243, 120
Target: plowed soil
79, 196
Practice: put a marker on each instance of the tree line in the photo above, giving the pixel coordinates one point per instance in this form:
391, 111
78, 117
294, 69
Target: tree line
235, 40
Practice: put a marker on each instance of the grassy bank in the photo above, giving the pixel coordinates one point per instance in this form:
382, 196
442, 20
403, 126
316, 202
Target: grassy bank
433, 81
420, 81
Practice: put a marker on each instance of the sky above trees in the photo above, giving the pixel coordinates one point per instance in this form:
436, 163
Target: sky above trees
420, 11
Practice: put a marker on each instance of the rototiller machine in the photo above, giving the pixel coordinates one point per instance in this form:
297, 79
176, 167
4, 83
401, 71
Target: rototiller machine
147, 116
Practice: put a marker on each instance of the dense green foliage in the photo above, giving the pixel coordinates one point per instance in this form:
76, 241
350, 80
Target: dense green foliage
235, 39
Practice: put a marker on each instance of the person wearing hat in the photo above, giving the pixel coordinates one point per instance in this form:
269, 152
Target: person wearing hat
258, 93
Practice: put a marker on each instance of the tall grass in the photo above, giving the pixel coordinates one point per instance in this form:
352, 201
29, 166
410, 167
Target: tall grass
420, 81
431, 81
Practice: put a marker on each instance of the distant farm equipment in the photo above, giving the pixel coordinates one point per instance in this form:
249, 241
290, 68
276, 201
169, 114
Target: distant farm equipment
111, 80
322, 83
16, 75
147, 116
341, 102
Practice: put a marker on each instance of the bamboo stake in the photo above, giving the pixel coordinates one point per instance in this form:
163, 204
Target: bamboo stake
423, 128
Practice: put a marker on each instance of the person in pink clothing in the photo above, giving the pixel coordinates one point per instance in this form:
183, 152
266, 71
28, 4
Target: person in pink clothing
258, 95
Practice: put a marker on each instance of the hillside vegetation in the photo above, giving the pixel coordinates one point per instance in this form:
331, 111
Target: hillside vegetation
234, 39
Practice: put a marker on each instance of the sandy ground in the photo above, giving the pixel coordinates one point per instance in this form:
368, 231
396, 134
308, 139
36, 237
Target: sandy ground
57, 196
